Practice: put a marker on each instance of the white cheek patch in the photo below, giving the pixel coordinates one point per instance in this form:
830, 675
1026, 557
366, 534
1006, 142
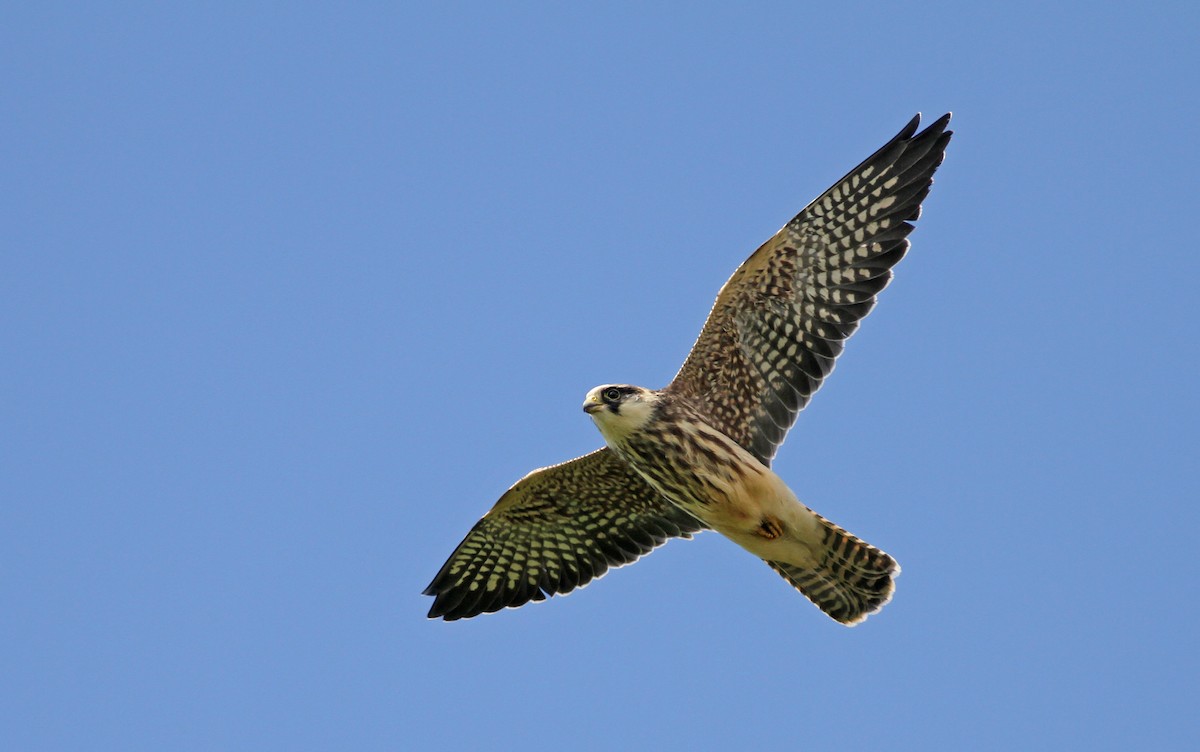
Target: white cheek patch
631, 416
635, 412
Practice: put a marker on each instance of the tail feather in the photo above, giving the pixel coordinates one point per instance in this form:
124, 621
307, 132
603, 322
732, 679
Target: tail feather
852, 581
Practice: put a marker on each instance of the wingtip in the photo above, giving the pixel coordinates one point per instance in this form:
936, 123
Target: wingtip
939, 126
435, 610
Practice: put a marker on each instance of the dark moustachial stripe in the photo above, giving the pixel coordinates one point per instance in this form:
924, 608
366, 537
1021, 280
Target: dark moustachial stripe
681, 456
771, 339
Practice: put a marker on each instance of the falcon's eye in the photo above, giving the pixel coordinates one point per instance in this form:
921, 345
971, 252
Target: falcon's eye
611, 394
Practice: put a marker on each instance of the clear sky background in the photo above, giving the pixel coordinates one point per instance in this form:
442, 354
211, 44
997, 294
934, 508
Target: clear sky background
291, 294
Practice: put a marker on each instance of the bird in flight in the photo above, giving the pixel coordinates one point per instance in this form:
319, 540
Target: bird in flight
696, 454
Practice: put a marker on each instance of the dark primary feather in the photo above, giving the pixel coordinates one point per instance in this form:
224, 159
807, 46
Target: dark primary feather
781, 320
774, 333
555, 530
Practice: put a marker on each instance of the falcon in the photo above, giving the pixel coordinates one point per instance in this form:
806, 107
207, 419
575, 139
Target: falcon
696, 454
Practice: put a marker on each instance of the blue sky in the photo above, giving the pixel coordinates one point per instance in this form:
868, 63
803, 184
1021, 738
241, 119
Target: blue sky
291, 294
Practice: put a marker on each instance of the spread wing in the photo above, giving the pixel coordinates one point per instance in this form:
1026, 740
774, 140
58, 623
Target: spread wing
555, 530
782, 319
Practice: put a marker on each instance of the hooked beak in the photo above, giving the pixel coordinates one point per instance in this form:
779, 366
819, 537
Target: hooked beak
592, 404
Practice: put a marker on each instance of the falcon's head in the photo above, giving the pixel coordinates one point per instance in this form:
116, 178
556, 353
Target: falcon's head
620, 409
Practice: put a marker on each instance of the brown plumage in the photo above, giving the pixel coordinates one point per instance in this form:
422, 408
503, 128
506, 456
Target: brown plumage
697, 453
557, 529
807, 288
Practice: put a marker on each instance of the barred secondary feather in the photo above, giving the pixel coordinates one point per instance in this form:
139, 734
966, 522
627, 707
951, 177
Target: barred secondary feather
696, 454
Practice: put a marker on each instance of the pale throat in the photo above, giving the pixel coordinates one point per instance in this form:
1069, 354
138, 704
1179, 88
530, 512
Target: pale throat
633, 416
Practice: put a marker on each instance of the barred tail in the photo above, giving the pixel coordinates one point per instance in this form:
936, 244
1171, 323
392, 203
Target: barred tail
853, 580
